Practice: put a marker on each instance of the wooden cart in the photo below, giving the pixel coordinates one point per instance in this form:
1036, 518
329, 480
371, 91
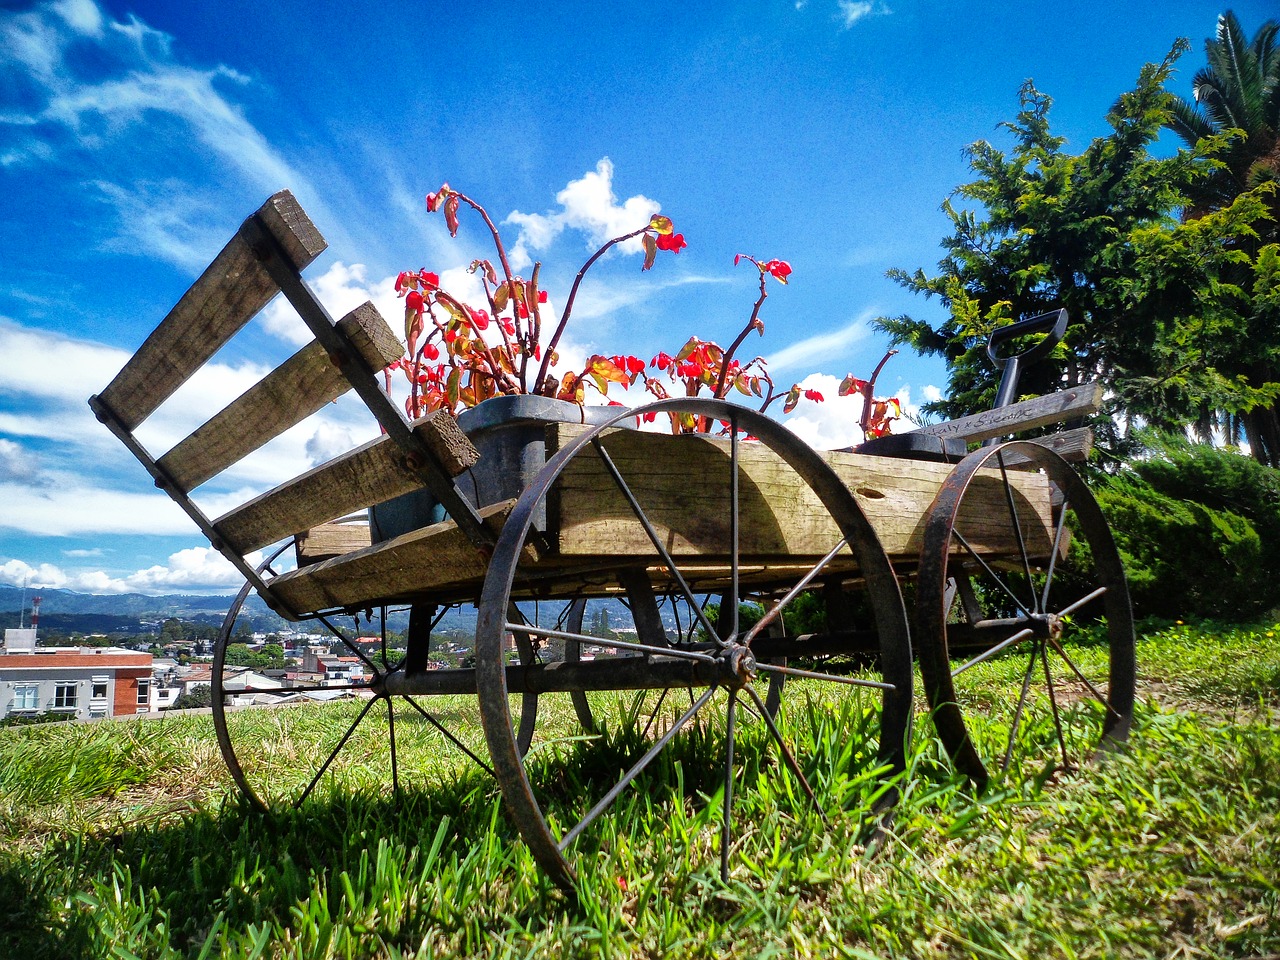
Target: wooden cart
678, 532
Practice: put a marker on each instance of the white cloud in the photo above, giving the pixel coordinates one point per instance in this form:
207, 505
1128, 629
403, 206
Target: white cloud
340, 288
851, 11
588, 205
16, 463
194, 570
834, 423
821, 347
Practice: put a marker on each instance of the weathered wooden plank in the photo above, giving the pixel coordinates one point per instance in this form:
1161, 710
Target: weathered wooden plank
288, 395
328, 540
1057, 407
682, 483
371, 473
227, 295
1073, 446
406, 567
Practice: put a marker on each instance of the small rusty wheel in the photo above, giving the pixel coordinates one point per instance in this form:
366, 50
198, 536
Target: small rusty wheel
723, 508
1023, 621
350, 731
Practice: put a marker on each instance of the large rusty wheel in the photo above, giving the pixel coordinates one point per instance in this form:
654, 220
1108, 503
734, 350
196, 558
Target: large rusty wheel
716, 662
1023, 624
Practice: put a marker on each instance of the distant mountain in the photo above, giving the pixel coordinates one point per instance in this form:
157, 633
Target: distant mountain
135, 605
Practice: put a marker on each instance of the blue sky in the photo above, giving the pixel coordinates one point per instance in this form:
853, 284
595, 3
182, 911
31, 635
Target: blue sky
134, 137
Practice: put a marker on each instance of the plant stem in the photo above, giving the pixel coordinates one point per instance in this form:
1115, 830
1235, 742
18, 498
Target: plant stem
568, 305
865, 421
733, 347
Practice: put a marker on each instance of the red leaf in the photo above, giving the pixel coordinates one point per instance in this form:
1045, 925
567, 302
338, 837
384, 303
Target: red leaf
451, 214
673, 242
779, 268
650, 251
661, 224
813, 395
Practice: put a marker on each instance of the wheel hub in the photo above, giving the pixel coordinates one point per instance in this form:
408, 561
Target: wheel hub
738, 665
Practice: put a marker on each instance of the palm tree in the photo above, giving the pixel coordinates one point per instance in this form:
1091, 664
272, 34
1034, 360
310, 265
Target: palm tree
1238, 92
1237, 89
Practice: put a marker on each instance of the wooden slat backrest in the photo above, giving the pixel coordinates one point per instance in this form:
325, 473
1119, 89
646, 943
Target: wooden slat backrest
371, 473
293, 391
230, 292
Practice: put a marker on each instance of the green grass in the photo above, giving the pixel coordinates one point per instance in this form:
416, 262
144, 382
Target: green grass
127, 840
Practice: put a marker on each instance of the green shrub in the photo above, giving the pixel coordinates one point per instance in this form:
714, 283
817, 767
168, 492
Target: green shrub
1199, 530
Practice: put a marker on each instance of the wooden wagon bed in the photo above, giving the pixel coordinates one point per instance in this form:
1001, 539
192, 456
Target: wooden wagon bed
590, 530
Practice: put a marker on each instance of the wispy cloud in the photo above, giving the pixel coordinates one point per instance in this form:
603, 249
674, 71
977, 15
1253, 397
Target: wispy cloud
84, 82
852, 11
821, 347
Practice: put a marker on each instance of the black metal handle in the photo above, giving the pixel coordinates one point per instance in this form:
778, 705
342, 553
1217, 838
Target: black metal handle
1053, 324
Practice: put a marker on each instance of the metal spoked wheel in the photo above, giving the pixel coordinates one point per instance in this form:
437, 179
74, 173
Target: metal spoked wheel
349, 729
708, 545
1021, 589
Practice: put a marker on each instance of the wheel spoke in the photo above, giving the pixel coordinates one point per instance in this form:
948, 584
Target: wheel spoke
654, 539
620, 644
999, 580
1017, 526
814, 675
1105, 701
391, 742
635, 771
1053, 704
1017, 712
787, 756
801, 585
1053, 555
733, 536
336, 750
342, 637
653, 715
726, 825
448, 735
992, 651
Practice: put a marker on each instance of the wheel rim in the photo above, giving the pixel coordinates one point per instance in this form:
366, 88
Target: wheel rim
725, 661
978, 614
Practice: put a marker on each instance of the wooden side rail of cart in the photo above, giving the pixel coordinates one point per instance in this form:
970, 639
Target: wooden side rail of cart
686, 530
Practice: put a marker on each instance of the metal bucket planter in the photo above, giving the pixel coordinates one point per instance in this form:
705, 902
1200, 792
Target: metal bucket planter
510, 433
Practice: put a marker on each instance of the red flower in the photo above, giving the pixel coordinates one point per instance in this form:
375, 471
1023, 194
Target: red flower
671, 241
813, 395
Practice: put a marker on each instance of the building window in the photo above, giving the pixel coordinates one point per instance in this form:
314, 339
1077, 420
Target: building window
99, 690
26, 696
144, 693
64, 696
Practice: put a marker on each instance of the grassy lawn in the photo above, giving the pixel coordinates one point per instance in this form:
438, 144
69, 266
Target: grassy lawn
127, 839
